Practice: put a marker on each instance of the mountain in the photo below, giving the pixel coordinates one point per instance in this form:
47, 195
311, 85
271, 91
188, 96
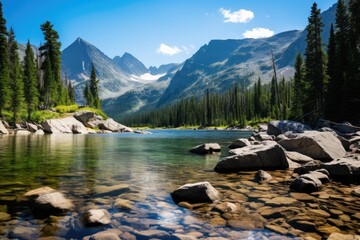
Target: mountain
162, 68
130, 64
220, 64
217, 66
76, 64
145, 97
328, 18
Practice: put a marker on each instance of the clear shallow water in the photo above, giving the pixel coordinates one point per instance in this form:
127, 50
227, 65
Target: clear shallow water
153, 166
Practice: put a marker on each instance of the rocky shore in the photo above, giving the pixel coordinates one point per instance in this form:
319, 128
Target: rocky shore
82, 122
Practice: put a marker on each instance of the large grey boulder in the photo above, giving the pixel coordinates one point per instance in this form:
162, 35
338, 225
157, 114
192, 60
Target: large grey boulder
298, 157
310, 182
3, 129
84, 116
111, 125
64, 125
268, 155
46, 201
323, 146
341, 128
206, 148
31, 127
239, 143
201, 192
342, 169
280, 127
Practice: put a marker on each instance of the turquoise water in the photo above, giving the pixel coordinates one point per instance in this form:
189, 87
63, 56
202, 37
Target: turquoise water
153, 166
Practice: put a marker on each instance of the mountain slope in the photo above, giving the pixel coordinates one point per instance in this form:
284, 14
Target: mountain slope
76, 64
220, 64
145, 97
131, 65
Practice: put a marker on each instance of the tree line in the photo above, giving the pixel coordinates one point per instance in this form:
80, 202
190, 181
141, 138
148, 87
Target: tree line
326, 84
35, 83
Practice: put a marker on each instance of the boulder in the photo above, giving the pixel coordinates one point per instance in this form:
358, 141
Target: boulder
96, 217
22, 132
63, 125
306, 183
84, 116
262, 176
46, 201
201, 192
268, 155
206, 148
298, 157
3, 129
111, 125
109, 234
239, 143
31, 127
318, 145
342, 169
279, 127
340, 236
75, 125
356, 192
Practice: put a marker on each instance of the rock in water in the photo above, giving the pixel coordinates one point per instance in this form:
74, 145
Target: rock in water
239, 143
202, 192
3, 130
206, 148
46, 201
268, 155
111, 125
339, 236
279, 127
262, 176
95, 217
63, 125
318, 145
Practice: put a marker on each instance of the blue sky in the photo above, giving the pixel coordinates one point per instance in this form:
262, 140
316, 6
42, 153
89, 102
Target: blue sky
156, 31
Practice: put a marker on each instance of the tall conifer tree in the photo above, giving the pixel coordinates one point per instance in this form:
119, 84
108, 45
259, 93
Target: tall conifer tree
4, 63
94, 90
31, 92
315, 68
16, 82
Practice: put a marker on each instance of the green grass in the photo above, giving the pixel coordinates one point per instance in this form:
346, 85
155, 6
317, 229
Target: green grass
66, 109
39, 116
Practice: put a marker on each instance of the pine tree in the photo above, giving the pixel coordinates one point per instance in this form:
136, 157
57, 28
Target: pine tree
298, 90
4, 63
94, 90
16, 82
87, 95
31, 92
52, 54
333, 97
315, 68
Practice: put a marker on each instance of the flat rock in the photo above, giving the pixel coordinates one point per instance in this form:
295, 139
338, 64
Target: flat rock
124, 204
302, 196
239, 143
356, 192
206, 148
39, 191
278, 127
306, 183
152, 234
298, 157
340, 236
27, 233
281, 201
318, 213
63, 125
113, 126
112, 190
225, 207
323, 146
95, 217
178, 236
268, 155
4, 217
111, 234
53, 203
276, 229
201, 192
22, 132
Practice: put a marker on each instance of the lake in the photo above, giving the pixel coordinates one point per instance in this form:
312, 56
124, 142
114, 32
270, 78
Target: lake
78, 165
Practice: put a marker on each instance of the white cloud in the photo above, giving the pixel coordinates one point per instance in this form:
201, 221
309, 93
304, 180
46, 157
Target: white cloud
258, 33
240, 16
168, 50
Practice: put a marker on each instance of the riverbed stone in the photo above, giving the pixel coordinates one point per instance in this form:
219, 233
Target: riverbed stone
356, 192
26, 233
178, 236
323, 146
278, 127
340, 236
201, 192
306, 183
110, 234
276, 229
124, 204
280, 201
112, 190
148, 234
302, 196
225, 207
95, 217
262, 176
268, 155
4, 217
239, 143
206, 148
